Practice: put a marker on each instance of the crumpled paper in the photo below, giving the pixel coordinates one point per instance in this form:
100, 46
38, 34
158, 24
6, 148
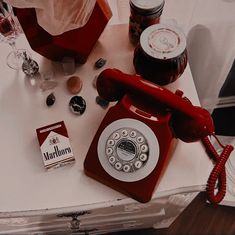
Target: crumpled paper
58, 16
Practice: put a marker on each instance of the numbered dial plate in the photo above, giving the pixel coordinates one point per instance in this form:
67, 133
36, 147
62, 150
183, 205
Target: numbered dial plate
128, 150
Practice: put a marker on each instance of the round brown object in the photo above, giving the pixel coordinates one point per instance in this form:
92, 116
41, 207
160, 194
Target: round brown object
74, 84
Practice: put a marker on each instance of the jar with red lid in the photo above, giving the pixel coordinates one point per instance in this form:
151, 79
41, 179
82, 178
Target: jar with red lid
143, 13
161, 55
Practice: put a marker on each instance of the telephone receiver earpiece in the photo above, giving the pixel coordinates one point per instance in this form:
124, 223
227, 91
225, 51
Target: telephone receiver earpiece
190, 123
109, 86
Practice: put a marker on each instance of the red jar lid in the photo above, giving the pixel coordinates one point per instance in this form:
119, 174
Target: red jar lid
162, 41
147, 7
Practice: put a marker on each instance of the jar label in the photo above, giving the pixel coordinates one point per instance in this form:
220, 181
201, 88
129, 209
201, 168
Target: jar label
150, 4
162, 41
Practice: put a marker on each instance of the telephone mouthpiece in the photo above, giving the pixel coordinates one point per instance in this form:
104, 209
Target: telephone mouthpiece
191, 129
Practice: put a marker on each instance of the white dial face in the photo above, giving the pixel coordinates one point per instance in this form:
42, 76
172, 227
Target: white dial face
128, 150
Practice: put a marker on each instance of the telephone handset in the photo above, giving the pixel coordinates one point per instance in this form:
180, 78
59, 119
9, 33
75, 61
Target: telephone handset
136, 137
192, 122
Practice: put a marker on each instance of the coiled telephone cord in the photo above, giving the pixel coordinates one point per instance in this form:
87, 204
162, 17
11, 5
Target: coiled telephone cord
218, 173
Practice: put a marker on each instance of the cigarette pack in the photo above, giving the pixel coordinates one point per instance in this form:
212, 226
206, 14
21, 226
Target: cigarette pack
55, 145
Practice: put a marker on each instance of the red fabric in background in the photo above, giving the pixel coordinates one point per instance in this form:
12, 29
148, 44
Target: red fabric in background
76, 43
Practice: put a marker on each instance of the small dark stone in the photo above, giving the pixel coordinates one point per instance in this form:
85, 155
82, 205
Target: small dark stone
100, 63
50, 100
102, 102
77, 105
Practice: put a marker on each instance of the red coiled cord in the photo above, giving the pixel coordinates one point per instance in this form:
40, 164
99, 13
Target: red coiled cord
218, 173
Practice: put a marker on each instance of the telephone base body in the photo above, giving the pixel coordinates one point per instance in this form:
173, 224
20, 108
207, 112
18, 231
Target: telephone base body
130, 109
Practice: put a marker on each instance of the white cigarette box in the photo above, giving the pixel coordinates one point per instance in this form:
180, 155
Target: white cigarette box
55, 145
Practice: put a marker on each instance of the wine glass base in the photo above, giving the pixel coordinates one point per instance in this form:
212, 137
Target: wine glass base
15, 59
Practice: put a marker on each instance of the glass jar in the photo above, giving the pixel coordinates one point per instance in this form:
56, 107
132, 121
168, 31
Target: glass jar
161, 55
143, 13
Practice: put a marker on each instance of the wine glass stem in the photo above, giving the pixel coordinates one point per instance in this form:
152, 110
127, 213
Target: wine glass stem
14, 49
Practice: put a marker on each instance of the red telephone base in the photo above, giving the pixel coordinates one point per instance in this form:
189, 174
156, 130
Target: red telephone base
159, 122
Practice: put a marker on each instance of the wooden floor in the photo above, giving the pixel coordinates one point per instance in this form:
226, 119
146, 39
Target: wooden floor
199, 218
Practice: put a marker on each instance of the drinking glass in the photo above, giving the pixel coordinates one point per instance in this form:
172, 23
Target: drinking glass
47, 80
47, 75
10, 30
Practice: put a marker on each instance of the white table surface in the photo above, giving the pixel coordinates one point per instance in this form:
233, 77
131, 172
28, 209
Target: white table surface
25, 186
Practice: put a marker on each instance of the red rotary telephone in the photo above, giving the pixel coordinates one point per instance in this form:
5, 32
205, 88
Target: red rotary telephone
133, 143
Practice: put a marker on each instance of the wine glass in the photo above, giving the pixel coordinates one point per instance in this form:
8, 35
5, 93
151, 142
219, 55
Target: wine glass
9, 30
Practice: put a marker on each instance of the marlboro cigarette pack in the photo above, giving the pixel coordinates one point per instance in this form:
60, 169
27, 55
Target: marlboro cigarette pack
55, 145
